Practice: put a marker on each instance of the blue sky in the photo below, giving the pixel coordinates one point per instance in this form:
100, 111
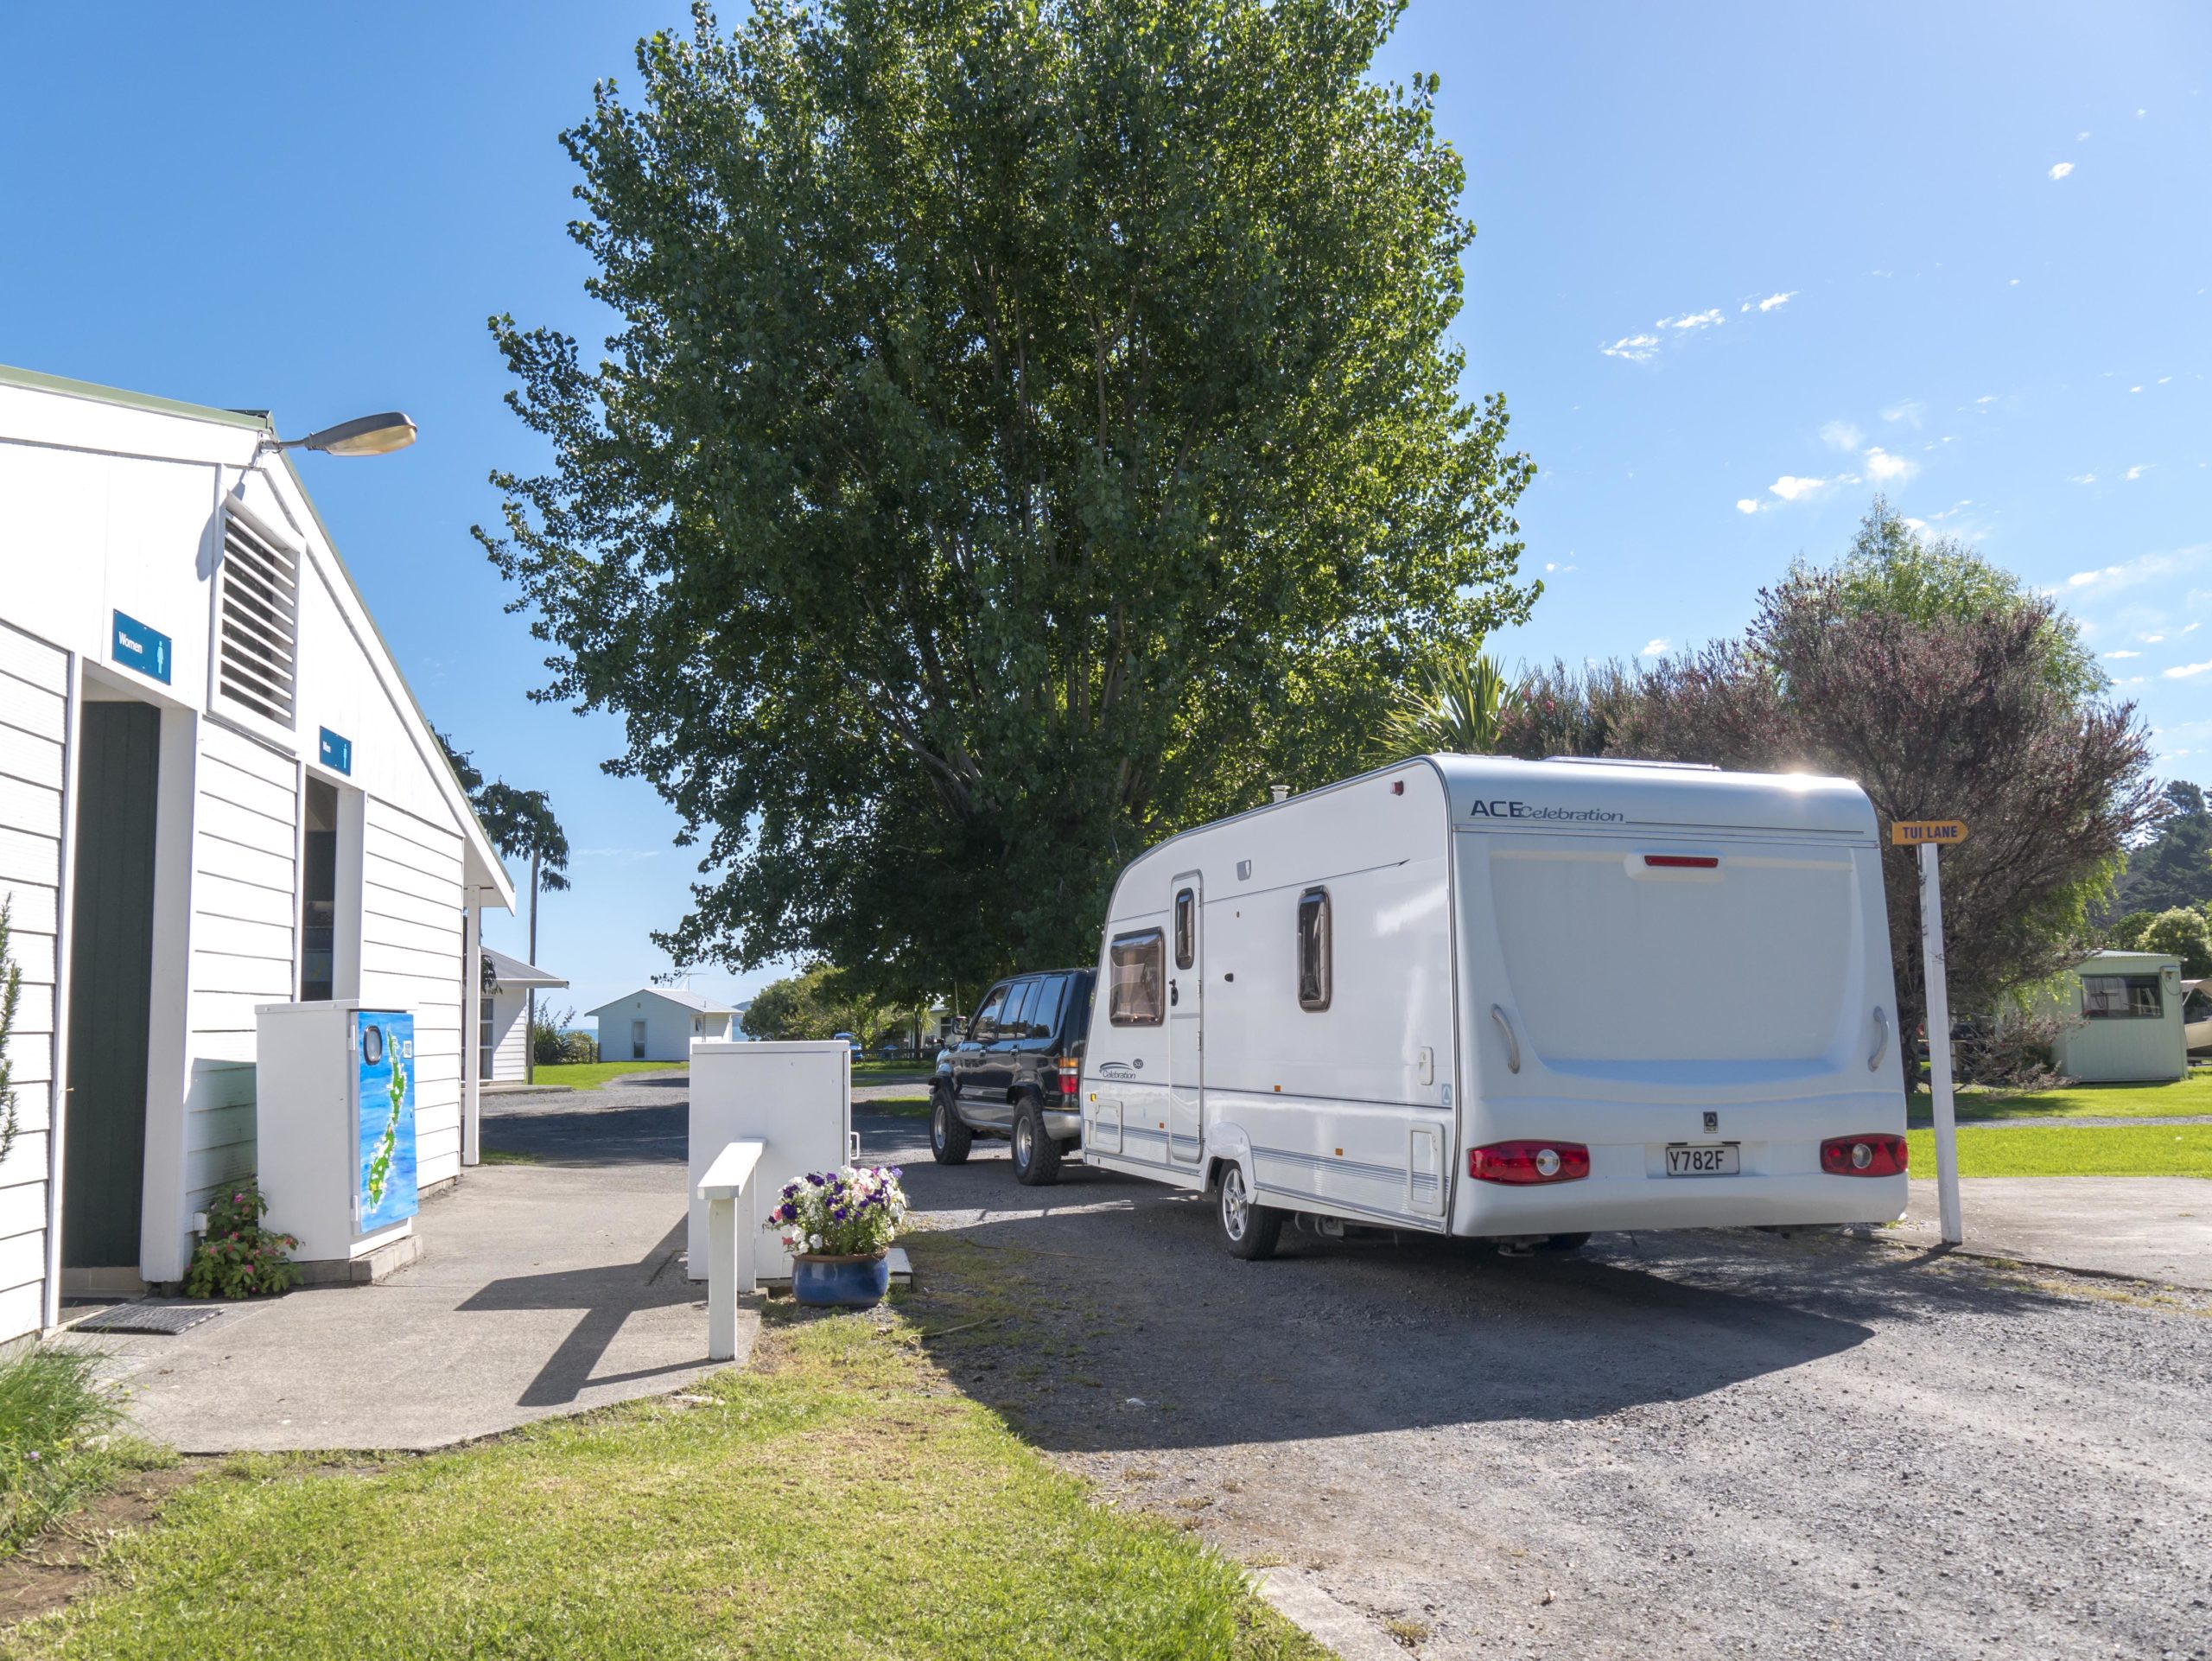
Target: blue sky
1738, 267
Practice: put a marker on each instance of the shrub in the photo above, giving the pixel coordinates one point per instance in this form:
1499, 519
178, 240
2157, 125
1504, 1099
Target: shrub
2184, 932
2018, 1054
579, 1047
549, 1036
237, 1257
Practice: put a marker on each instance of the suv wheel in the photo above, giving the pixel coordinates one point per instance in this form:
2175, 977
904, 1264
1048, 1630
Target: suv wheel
1036, 1155
950, 1140
1248, 1229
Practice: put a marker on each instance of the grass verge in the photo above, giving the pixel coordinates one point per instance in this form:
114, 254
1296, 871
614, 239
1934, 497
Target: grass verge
57, 1442
838, 1499
898, 1107
2075, 1151
2181, 1098
592, 1075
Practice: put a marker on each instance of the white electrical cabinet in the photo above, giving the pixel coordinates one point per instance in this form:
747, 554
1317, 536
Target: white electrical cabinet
335, 1125
796, 1098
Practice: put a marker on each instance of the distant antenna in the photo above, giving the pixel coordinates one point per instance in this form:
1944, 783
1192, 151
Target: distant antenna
1281, 792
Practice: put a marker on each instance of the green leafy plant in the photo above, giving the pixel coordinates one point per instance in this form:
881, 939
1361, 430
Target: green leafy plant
237, 1257
54, 1441
1457, 708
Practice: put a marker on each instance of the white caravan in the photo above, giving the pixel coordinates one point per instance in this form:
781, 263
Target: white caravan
1518, 1000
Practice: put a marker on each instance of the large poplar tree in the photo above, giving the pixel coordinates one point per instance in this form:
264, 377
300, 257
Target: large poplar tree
1031, 428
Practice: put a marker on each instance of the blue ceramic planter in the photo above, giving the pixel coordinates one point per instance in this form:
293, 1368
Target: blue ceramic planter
841, 1283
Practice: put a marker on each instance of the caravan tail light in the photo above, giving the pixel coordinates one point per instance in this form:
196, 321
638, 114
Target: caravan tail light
1528, 1161
1683, 862
1879, 1154
1070, 1075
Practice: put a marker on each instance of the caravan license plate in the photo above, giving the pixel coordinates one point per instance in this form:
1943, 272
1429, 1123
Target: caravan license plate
1682, 1160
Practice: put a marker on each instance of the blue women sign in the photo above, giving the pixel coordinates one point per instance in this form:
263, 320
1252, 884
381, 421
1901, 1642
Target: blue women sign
383, 1052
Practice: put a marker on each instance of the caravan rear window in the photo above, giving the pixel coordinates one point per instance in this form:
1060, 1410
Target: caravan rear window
2121, 997
1314, 966
1135, 966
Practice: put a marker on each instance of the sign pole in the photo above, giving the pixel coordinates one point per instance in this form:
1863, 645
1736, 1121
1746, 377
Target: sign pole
1939, 1042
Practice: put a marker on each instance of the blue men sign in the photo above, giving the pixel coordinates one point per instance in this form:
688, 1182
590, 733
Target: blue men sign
337, 752
136, 647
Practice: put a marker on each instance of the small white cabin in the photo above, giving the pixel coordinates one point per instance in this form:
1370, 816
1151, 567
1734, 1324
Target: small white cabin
502, 1015
1389, 1002
2123, 1020
658, 1023
216, 792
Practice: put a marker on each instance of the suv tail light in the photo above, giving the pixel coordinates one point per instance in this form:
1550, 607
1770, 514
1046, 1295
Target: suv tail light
1878, 1154
1070, 1075
1528, 1161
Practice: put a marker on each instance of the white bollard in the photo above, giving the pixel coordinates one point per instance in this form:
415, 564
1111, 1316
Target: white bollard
732, 1217
1939, 1045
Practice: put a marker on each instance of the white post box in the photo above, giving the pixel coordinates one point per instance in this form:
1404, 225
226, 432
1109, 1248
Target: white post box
796, 1098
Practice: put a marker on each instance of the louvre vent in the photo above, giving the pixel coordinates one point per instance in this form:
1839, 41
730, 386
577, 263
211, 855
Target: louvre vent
258, 609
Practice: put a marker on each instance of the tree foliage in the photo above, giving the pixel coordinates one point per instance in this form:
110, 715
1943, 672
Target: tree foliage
11, 992
1457, 708
819, 1002
2175, 868
1030, 429
2183, 932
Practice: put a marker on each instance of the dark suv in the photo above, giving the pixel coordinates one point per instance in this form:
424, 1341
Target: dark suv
1013, 1073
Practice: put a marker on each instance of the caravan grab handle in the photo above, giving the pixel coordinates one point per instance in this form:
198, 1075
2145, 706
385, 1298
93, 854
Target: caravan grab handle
1881, 1038
1512, 1044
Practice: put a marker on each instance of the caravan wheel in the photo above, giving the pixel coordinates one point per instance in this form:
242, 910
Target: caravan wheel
1248, 1229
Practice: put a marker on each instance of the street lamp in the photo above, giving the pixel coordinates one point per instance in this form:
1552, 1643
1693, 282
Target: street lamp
374, 435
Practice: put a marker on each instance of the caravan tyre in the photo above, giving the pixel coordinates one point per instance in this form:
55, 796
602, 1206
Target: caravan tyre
1036, 1155
1563, 1243
1248, 1228
950, 1140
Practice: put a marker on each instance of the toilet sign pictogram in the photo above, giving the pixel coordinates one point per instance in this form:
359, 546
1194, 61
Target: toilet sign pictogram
1920, 833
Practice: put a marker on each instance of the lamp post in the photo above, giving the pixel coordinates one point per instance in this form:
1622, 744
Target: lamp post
370, 435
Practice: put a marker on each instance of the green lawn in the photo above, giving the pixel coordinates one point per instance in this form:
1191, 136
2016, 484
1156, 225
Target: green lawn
590, 1075
902, 1107
838, 1499
2073, 1150
2181, 1099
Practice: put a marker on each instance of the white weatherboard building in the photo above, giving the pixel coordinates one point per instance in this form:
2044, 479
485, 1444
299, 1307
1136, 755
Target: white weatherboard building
658, 1023
2123, 1022
215, 792
502, 1011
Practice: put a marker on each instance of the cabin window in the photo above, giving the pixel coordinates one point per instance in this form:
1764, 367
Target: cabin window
1186, 905
984, 1027
1313, 969
2121, 997
1135, 968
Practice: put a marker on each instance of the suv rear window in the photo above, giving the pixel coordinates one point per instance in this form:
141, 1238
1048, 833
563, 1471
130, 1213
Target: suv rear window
1044, 1013
1136, 965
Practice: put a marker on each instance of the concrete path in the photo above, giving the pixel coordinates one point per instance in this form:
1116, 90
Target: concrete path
545, 1288
2153, 1228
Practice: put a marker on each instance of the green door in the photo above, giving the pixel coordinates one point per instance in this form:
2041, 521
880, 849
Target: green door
111, 981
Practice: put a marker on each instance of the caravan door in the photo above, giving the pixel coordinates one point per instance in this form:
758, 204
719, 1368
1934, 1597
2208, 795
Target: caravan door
1185, 1019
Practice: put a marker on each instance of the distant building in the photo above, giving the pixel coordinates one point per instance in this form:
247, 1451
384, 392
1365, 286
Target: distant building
2122, 1019
658, 1023
502, 1017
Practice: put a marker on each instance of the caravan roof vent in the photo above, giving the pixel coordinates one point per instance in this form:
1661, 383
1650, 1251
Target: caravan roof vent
258, 612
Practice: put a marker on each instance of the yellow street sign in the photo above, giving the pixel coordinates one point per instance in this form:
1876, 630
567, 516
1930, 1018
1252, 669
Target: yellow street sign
1912, 833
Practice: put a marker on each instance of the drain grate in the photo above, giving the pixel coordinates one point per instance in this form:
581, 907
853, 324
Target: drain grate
148, 1318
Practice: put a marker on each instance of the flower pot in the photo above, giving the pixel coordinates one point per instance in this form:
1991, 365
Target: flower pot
840, 1282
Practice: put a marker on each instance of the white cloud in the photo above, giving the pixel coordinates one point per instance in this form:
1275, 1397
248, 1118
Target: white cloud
2061, 169
1916, 524
1773, 301
1910, 411
1552, 565
2134, 389
2139, 469
1657, 647
1636, 348
1692, 319
2192, 628
2082, 478
1885, 468
2145, 567
2123, 652
1792, 488
2183, 670
2080, 136
1841, 435
1746, 504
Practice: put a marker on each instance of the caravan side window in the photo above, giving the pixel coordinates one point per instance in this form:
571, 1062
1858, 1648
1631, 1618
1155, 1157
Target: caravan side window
1135, 967
1186, 903
2121, 997
1314, 968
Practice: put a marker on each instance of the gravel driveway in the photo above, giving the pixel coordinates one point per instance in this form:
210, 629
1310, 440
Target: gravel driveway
1700, 1445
